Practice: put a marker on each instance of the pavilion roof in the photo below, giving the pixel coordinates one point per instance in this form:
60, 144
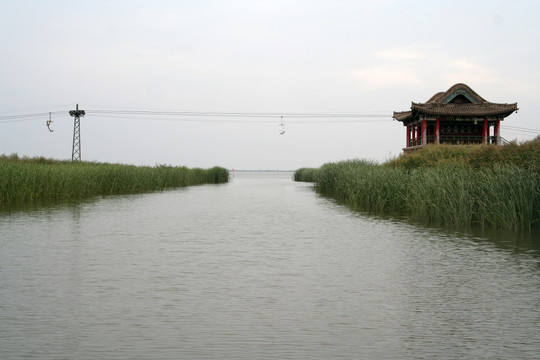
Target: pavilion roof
444, 104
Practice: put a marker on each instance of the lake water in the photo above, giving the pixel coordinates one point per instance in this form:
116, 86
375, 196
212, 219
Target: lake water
259, 268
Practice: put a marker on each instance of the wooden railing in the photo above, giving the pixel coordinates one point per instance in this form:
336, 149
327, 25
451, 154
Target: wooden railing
455, 140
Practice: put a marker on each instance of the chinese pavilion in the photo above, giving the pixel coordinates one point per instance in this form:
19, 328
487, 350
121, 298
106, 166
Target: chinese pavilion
457, 116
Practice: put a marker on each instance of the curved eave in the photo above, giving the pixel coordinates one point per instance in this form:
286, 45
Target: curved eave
402, 115
476, 110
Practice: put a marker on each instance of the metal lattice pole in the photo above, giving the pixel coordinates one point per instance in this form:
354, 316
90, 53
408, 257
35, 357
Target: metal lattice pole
76, 150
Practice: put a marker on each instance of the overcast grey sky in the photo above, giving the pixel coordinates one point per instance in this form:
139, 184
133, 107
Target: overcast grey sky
253, 56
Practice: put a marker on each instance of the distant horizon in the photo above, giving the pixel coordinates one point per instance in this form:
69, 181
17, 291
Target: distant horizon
261, 170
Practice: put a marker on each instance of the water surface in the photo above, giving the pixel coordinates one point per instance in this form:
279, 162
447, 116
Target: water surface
260, 268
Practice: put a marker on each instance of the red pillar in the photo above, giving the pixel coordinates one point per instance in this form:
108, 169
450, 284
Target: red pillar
497, 132
424, 131
437, 130
418, 134
408, 136
485, 131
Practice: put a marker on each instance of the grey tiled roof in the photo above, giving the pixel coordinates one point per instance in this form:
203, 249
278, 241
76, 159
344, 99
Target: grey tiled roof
402, 115
467, 109
439, 105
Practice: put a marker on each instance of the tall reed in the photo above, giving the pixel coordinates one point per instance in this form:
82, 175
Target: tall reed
506, 197
490, 186
525, 155
305, 175
24, 180
362, 184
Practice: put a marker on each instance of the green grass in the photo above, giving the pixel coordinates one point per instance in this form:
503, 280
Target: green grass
305, 174
486, 186
525, 156
28, 180
363, 185
505, 197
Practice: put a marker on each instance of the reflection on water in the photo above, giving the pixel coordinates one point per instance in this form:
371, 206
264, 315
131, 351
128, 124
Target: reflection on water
527, 241
261, 267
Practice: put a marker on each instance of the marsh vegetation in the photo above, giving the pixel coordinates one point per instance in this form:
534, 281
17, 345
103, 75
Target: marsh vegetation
27, 180
487, 186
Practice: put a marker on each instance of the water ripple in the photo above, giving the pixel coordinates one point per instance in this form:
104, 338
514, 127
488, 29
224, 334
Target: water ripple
261, 268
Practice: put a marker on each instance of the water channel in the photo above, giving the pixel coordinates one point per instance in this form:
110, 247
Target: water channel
259, 268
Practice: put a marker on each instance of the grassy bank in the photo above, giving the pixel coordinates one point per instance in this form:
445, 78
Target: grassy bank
524, 156
487, 186
25, 180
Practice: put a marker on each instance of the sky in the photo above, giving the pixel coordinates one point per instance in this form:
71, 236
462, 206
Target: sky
280, 58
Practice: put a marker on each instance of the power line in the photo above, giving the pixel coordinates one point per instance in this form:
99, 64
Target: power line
27, 117
239, 114
232, 117
522, 129
203, 116
242, 120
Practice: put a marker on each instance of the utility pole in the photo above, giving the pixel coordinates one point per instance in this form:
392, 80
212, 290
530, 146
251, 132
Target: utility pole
76, 150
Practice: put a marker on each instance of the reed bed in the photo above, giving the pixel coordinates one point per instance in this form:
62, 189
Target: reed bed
505, 197
487, 186
525, 155
305, 175
363, 185
24, 180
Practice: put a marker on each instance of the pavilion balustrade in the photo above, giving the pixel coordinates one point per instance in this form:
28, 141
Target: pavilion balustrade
454, 140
